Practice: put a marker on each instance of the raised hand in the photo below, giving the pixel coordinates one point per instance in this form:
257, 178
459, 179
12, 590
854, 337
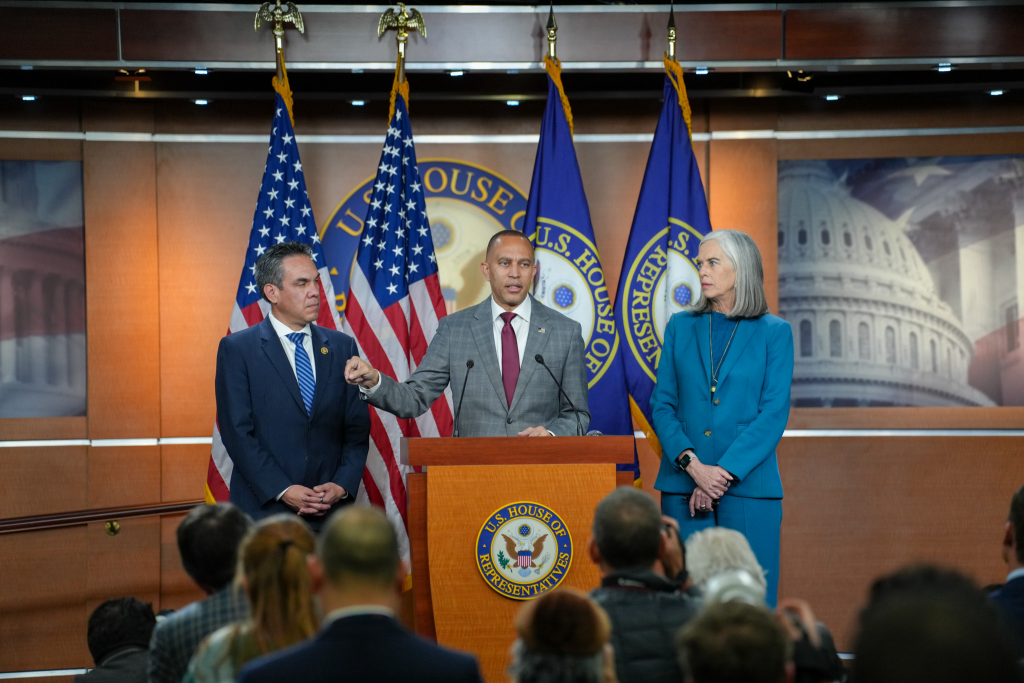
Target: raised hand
359, 372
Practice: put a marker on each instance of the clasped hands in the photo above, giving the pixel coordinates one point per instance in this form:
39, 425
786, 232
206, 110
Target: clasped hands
712, 483
359, 373
315, 501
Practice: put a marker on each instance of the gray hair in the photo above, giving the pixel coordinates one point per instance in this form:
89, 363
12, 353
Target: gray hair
541, 667
745, 259
717, 550
270, 266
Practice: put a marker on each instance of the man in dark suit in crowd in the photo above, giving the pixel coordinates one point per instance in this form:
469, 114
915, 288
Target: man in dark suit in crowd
297, 434
358, 575
208, 540
646, 608
488, 354
1009, 598
118, 637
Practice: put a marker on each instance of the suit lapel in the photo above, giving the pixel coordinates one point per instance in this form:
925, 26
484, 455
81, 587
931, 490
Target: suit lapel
483, 332
323, 363
701, 329
275, 352
744, 333
535, 343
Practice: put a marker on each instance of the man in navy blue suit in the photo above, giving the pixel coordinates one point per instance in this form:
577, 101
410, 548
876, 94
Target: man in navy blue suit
1010, 596
358, 574
296, 432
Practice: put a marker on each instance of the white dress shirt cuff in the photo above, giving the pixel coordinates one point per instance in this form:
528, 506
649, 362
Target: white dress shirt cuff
281, 495
372, 390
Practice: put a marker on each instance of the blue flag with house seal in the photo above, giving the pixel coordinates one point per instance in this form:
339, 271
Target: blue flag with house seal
658, 274
569, 275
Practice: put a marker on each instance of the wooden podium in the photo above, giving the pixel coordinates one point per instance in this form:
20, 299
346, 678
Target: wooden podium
468, 479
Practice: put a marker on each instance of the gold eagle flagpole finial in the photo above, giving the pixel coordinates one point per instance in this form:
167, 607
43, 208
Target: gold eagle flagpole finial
672, 33
279, 13
552, 29
402, 21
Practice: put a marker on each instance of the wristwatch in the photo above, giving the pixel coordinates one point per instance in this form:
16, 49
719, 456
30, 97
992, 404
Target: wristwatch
685, 459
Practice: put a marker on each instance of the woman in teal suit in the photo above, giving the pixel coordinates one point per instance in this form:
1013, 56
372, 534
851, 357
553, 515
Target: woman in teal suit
722, 402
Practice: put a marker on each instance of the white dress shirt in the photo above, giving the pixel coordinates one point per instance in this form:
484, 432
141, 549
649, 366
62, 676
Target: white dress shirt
520, 325
1015, 574
289, 348
356, 611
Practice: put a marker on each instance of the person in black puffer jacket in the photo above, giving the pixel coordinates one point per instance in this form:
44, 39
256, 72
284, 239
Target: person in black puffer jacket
646, 609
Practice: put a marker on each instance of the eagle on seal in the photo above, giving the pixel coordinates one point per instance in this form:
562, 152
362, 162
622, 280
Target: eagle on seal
513, 552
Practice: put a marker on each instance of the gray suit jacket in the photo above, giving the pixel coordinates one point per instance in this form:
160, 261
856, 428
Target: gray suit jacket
469, 335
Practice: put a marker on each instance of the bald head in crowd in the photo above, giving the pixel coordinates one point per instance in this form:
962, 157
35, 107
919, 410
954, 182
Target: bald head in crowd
359, 550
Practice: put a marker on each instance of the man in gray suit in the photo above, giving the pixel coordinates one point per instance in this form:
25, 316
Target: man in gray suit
491, 351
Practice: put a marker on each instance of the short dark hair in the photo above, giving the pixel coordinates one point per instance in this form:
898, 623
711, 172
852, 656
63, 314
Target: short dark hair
930, 624
505, 233
208, 540
359, 544
270, 266
1016, 519
118, 623
627, 528
733, 642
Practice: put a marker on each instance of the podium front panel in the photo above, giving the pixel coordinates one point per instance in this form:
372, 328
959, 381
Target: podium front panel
469, 615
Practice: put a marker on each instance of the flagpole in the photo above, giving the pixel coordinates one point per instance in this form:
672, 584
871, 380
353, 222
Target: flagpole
552, 29
672, 34
402, 22
281, 13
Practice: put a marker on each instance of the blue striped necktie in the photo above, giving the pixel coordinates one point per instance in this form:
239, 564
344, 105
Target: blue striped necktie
303, 370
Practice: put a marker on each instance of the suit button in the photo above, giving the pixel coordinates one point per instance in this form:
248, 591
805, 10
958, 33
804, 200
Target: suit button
508, 421
716, 401
707, 432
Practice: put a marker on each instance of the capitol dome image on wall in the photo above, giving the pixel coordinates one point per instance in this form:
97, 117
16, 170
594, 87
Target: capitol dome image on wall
870, 326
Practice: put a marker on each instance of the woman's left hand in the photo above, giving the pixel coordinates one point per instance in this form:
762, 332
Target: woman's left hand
700, 501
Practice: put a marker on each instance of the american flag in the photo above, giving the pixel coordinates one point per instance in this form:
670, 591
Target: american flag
283, 214
393, 308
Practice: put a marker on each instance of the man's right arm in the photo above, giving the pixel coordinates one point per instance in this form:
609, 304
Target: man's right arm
235, 421
413, 397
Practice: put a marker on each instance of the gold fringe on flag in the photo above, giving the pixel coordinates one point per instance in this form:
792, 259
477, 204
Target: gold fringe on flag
554, 69
645, 427
675, 73
398, 89
282, 87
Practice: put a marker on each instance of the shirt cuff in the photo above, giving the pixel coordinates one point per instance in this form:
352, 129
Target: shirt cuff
281, 495
372, 390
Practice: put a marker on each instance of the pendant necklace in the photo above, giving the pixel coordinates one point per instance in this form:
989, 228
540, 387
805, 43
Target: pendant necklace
714, 370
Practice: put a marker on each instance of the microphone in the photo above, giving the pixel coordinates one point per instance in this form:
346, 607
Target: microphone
579, 424
458, 408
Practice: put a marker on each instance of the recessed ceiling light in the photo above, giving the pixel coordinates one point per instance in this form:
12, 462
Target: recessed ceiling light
358, 103
995, 92
944, 67
831, 98
457, 72
702, 71
357, 71
512, 71
202, 102
512, 103
27, 67
202, 72
28, 98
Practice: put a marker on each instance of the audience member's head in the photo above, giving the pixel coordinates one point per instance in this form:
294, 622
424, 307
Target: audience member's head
1013, 539
627, 530
357, 559
563, 638
272, 566
718, 550
735, 584
733, 642
930, 624
117, 624
208, 540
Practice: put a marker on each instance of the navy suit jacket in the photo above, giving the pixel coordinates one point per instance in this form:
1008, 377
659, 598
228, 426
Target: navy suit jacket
1009, 599
366, 648
737, 428
272, 441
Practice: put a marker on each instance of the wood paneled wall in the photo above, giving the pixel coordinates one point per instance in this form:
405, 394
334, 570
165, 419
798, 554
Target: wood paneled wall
166, 224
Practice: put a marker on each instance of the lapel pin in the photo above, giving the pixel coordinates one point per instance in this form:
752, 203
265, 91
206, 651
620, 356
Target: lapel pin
323, 350
541, 330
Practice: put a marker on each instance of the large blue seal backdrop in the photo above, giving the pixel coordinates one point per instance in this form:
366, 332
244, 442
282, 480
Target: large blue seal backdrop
466, 203
523, 550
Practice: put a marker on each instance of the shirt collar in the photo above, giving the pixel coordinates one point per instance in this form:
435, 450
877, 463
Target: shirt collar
356, 610
283, 330
523, 310
1015, 574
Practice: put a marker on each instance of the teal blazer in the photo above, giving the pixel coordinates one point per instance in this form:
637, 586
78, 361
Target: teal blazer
740, 425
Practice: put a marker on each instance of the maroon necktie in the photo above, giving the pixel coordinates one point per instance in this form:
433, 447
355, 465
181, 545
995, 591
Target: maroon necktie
509, 357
